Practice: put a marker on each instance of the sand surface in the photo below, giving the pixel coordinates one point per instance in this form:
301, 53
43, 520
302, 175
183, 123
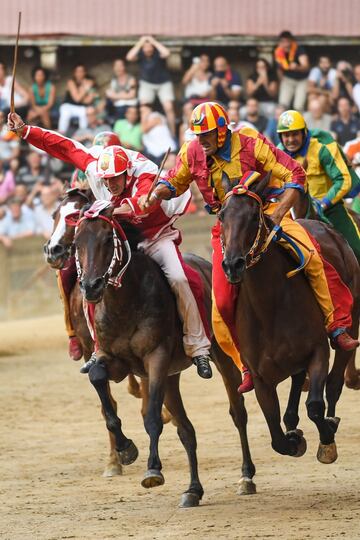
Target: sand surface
54, 447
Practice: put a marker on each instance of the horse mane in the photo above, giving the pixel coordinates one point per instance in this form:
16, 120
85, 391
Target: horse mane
132, 233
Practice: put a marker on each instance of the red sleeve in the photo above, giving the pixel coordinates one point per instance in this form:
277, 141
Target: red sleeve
59, 147
145, 181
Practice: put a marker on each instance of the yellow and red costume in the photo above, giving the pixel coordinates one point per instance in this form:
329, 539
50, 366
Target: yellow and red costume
243, 151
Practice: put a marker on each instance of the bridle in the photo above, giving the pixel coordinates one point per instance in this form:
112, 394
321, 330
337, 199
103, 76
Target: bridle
119, 238
256, 251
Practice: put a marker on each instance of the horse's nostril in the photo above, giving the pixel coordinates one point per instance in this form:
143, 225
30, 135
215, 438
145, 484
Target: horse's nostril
97, 284
58, 249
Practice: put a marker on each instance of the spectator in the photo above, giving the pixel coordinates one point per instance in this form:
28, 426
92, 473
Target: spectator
94, 126
271, 128
344, 82
121, 93
263, 86
347, 126
197, 80
185, 133
356, 87
33, 171
9, 142
226, 84
80, 93
253, 116
234, 116
19, 222
44, 209
157, 136
42, 98
21, 192
7, 184
321, 82
21, 97
154, 77
293, 68
315, 117
129, 129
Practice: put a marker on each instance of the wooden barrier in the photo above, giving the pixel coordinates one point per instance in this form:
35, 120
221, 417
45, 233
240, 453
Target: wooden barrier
28, 285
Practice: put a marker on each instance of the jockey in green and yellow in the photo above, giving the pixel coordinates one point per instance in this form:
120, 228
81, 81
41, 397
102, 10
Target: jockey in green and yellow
329, 177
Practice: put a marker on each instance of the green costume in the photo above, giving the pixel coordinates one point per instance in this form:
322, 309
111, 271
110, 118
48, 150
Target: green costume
330, 180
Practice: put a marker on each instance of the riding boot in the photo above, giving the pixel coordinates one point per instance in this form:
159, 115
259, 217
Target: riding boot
247, 382
86, 367
203, 365
340, 339
75, 348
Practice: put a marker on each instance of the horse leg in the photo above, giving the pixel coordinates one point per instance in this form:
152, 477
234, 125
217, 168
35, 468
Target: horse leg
133, 386
186, 433
232, 379
113, 466
335, 381
158, 365
290, 444
291, 416
315, 405
352, 375
125, 447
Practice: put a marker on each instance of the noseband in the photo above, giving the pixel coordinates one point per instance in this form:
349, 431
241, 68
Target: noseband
119, 238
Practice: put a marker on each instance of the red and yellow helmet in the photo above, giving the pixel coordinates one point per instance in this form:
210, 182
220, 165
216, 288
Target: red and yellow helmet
106, 138
209, 116
112, 161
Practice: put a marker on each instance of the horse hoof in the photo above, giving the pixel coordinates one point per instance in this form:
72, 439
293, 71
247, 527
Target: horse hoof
129, 455
246, 486
152, 478
297, 436
327, 453
189, 500
114, 469
353, 383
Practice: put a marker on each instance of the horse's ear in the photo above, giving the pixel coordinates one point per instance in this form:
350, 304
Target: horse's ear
259, 187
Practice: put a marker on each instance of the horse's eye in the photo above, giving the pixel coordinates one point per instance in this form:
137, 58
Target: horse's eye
220, 216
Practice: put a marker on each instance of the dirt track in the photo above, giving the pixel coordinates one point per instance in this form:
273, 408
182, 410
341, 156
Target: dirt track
54, 446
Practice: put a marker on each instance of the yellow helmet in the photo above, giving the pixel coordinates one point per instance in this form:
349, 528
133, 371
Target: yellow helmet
290, 121
209, 116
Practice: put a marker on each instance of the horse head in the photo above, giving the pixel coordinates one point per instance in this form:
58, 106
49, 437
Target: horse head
58, 248
243, 227
102, 250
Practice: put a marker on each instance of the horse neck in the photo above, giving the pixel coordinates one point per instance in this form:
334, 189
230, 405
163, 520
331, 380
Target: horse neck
263, 285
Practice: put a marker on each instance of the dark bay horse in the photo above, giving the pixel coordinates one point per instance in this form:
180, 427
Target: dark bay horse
280, 325
348, 269
139, 331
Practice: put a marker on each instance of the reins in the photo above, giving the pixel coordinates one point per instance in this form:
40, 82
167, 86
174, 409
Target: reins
254, 254
119, 238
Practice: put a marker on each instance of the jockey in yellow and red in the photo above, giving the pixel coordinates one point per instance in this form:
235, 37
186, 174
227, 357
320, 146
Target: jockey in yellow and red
216, 160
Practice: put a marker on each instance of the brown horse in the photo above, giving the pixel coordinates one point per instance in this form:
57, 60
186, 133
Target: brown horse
139, 331
348, 269
280, 326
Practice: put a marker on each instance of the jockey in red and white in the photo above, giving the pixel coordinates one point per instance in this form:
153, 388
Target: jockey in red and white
125, 177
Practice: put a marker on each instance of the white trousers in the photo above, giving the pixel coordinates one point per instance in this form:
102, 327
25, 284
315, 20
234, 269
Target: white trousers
67, 111
295, 91
163, 251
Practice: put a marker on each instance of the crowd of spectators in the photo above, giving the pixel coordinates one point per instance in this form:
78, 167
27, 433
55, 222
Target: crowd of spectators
143, 111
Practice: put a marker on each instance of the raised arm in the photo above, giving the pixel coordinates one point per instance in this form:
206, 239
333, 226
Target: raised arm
134, 51
52, 143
